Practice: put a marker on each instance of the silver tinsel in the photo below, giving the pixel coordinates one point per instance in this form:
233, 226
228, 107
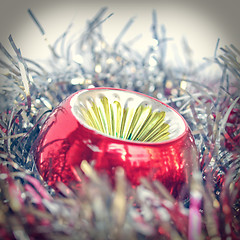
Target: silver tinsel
208, 207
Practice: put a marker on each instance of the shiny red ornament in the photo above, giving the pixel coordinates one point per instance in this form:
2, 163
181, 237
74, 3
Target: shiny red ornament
69, 136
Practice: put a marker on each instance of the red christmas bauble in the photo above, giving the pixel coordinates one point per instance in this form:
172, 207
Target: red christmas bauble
115, 127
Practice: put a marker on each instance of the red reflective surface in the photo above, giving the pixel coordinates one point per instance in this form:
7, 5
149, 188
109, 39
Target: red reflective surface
64, 142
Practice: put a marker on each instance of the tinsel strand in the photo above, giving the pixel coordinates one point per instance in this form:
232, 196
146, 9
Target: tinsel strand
207, 208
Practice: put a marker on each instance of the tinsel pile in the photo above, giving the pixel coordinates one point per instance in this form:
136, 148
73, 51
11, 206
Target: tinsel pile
207, 208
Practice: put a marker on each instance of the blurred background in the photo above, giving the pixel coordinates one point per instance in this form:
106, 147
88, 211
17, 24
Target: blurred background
200, 22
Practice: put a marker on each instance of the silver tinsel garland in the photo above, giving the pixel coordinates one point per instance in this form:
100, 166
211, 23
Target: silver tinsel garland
207, 208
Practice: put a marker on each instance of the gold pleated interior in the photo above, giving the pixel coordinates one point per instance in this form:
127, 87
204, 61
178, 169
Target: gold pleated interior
124, 122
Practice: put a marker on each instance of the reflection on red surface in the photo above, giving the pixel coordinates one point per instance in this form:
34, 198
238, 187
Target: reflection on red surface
64, 142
